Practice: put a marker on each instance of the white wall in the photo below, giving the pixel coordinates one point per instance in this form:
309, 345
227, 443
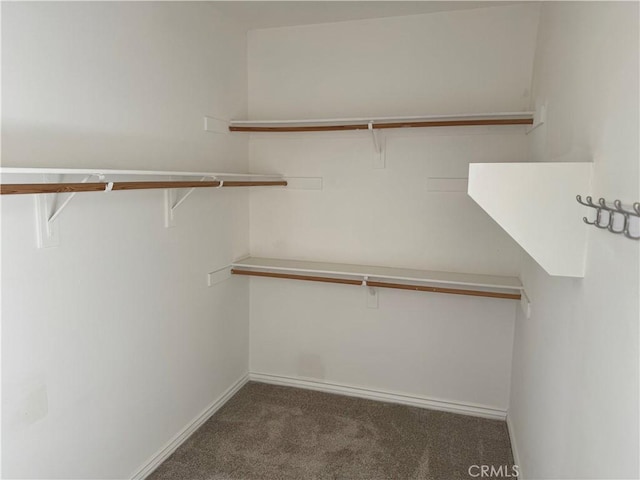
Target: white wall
449, 62
574, 403
469, 61
112, 342
123, 85
445, 348
385, 216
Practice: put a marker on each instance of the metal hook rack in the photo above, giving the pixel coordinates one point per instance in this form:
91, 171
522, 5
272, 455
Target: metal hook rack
617, 211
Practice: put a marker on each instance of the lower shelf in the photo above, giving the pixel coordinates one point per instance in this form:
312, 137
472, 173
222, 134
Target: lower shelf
382, 277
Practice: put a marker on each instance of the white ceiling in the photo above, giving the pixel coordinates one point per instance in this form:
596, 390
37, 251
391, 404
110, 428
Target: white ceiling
268, 14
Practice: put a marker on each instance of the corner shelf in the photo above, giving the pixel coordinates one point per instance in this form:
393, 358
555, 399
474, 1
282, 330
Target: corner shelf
383, 277
535, 204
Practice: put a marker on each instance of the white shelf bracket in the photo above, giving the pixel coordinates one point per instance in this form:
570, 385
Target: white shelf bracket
378, 159
59, 210
376, 140
525, 304
171, 203
47, 234
48, 211
372, 294
539, 117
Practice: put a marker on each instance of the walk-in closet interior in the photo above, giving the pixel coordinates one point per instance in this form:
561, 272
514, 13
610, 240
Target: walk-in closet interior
320, 240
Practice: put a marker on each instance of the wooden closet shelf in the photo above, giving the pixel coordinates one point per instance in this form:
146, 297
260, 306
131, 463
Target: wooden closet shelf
29, 188
382, 277
53, 195
324, 125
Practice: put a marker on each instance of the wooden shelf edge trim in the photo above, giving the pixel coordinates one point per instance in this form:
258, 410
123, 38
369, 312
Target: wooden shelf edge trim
400, 286
384, 125
27, 188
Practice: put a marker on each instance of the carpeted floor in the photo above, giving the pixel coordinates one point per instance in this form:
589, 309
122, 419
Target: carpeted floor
271, 432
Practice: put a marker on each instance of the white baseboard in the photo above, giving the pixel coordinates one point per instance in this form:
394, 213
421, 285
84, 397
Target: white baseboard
155, 461
385, 396
514, 447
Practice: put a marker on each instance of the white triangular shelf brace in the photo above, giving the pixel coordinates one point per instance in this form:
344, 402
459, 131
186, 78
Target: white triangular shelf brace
535, 204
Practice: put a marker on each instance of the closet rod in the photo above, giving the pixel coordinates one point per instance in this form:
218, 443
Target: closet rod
454, 291
25, 188
401, 286
309, 278
365, 126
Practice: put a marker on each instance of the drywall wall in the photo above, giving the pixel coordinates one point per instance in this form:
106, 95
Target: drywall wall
476, 60
443, 351
471, 61
112, 342
574, 400
393, 216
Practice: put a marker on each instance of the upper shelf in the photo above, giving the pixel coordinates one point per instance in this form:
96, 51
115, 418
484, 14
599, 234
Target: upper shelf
371, 123
135, 173
106, 180
402, 278
49, 208
535, 203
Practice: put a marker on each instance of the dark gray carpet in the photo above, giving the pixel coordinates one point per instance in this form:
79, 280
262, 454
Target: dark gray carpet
272, 432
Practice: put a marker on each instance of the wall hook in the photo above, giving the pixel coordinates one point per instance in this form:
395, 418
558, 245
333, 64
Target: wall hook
579, 199
628, 234
618, 209
599, 216
636, 208
589, 203
627, 215
598, 221
612, 218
